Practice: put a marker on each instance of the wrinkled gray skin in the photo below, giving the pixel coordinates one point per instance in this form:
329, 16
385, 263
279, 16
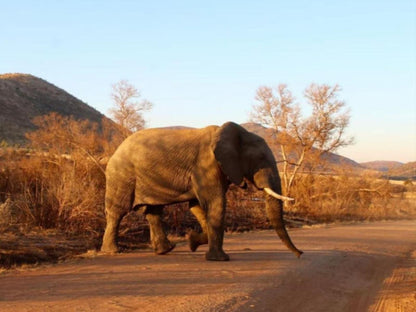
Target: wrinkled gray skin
156, 167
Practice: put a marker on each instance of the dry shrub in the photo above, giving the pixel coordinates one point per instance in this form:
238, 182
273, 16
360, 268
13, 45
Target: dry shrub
54, 192
344, 197
59, 182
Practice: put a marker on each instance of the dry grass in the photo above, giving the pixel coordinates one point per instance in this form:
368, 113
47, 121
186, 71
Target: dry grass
345, 197
51, 192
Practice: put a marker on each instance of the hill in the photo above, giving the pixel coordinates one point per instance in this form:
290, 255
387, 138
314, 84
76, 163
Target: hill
405, 171
393, 169
23, 97
382, 165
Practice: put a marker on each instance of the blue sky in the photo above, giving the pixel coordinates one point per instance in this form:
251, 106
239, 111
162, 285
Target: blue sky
200, 63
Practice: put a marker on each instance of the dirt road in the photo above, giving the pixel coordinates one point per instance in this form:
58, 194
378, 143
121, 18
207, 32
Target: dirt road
361, 267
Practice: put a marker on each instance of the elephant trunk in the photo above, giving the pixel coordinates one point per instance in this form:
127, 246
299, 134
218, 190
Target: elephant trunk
274, 209
268, 180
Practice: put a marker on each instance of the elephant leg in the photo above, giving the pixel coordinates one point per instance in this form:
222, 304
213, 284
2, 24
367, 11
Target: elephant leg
160, 243
196, 239
215, 230
118, 201
111, 231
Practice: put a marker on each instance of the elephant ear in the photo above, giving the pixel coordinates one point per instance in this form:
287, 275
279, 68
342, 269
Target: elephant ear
227, 151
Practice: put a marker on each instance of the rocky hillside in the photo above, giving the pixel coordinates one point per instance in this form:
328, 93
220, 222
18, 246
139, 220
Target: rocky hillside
23, 97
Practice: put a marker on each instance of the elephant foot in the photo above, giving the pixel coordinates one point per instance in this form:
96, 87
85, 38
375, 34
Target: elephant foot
109, 249
216, 255
164, 248
196, 240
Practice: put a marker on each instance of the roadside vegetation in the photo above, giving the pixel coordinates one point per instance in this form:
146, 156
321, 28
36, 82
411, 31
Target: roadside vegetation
52, 192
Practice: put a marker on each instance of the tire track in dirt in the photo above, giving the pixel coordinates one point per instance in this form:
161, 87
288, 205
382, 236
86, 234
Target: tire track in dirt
399, 290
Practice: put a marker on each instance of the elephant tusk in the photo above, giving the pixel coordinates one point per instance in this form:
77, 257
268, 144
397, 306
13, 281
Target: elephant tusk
278, 196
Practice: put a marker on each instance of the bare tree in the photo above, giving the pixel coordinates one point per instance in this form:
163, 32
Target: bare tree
128, 110
302, 140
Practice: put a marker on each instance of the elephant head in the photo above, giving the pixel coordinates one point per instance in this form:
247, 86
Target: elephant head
244, 155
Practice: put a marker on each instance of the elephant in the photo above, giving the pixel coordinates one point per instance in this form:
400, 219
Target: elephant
156, 167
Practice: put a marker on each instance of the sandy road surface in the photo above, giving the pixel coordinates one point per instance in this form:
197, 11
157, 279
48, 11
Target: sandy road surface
362, 267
